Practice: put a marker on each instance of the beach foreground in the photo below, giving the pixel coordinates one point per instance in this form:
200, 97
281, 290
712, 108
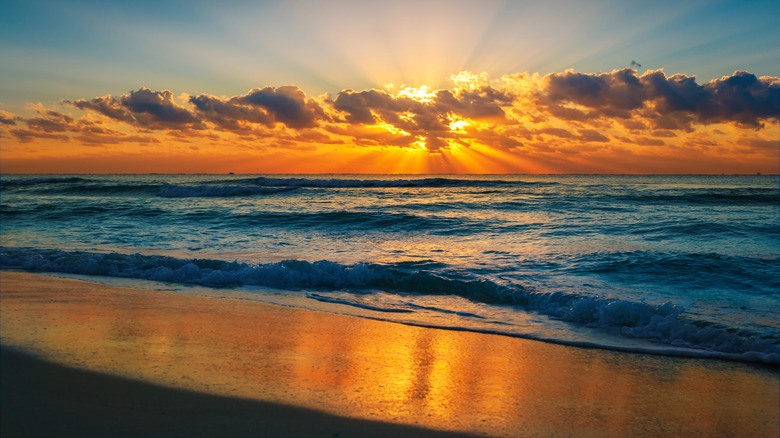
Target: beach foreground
163, 362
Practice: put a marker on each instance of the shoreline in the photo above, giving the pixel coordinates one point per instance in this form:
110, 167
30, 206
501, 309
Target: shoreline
340, 366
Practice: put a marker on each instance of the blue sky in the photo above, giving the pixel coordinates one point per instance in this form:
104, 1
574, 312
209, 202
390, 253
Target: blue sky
54, 50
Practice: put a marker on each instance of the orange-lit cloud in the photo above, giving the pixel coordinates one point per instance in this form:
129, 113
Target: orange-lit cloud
567, 122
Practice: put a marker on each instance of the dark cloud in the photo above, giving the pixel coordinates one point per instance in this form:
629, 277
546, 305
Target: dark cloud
360, 107
27, 135
114, 138
743, 98
7, 118
483, 103
356, 105
265, 106
592, 135
287, 104
157, 110
143, 108
674, 102
96, 134
647, 141
48, 124
663, 133
51, 121
620, 89
106, 105
556, 132
158, 104
678, 93
229, 115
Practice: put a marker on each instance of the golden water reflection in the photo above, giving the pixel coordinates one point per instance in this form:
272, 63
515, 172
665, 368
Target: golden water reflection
369, 369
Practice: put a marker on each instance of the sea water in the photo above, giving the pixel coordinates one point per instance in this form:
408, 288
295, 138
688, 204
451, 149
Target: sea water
679, 265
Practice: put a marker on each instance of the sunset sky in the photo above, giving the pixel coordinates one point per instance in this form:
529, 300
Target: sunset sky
390, 87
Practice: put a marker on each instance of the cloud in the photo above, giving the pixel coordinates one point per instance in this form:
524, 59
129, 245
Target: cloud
605, 92
51, 121
47, 124
556, 132
429, 117
157, 104
106, 105
28, 135
520, 115
673, 102
97, 134
287, 104
744, 98
265, 106
228, 115
143, 108
54, 125
483, 103
157, 110
592, 135
7, 118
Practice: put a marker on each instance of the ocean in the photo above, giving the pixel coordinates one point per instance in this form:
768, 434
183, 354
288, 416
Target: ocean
668, 265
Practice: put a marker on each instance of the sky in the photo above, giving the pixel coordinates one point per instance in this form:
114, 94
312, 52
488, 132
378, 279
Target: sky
555, 86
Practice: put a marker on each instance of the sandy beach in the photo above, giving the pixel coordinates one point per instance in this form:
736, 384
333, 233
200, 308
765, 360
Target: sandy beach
87, 359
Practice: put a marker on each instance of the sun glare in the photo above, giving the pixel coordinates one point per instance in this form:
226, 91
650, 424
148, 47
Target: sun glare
420, 143
458, 123
420, 94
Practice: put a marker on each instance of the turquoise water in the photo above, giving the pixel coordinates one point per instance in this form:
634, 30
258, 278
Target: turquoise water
684, 265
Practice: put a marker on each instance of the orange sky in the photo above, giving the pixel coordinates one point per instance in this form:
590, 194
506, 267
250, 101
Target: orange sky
568, 122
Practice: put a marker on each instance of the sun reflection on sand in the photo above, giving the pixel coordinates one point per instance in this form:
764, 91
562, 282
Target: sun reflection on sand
377, 370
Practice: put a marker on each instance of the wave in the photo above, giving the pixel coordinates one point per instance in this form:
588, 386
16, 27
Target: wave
213, 191
347, 221
205, 187
708, 196
391, 183
80, 186
26, 182
664, 323
700, 270
570, 196
353, 221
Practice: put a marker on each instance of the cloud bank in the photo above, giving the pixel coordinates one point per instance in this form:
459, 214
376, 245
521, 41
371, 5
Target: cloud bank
565, 113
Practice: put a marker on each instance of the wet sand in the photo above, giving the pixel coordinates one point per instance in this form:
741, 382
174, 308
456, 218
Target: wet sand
158, 363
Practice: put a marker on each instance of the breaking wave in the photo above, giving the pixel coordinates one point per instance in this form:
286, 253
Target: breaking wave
663, 323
